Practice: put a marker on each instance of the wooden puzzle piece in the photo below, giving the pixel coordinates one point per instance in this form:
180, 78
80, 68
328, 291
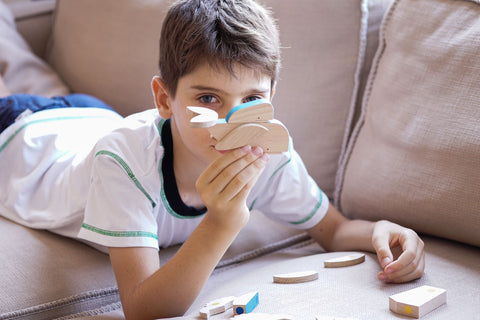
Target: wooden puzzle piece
296, 277
216, 306
259, 110
245, 303
263, 316
202, 117
276, 140
344, 261
418, 302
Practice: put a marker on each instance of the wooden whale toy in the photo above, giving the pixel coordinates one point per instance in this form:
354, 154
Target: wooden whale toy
250, 123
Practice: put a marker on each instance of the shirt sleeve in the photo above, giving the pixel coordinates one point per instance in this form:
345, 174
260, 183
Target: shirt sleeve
119, 211
286, 192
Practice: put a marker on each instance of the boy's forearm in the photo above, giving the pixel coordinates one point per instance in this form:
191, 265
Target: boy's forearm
172, 289
353, 235
337, 233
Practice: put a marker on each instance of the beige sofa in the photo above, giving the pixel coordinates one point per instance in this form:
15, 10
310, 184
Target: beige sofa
382, 101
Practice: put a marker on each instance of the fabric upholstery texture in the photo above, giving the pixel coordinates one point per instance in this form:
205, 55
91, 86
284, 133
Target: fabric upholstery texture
20, 68
320, 71
414, 156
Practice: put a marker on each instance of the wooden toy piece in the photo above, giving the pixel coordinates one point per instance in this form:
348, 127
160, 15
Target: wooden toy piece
216, 306
276, 140
241, 136
259, 110
344, 261
250, 123
296, 277
418, 302
202, 117
245, 303
263, 316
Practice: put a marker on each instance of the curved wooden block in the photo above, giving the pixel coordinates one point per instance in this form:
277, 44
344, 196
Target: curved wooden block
345, 261
296, 277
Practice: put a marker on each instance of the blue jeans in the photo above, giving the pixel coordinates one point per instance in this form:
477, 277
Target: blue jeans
14, 105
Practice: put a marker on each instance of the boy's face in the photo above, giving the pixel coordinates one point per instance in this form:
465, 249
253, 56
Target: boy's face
207, 87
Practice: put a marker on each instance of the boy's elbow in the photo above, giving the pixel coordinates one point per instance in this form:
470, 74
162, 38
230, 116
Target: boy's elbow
136, 308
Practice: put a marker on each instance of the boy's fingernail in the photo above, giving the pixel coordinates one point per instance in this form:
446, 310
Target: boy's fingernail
265, 157
246, 148
385, 262
389, 270
257, 151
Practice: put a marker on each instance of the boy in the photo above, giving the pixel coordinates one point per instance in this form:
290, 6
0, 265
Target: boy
145, 182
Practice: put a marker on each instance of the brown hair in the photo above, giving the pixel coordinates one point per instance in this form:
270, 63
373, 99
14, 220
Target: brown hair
220, 32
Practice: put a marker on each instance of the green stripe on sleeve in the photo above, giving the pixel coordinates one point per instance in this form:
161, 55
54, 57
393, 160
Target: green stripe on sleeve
314, 211
120, 234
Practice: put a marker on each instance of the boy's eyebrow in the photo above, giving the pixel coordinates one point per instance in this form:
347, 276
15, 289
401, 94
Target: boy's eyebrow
213, 89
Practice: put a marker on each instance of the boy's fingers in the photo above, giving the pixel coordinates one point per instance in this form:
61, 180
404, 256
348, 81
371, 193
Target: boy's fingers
410, 264
245, 179
381, 244
221, 163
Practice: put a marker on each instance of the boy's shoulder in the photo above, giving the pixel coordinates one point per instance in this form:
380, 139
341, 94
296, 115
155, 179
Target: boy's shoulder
138, 137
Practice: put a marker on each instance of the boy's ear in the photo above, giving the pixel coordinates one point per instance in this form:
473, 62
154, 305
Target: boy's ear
161, 97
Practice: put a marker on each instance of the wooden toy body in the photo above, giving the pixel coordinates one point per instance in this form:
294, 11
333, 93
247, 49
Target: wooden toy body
250, 123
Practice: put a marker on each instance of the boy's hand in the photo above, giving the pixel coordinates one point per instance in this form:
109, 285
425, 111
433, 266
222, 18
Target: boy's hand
410, 263
226, 183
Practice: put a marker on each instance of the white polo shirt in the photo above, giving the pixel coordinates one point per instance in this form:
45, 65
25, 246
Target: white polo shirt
89, 174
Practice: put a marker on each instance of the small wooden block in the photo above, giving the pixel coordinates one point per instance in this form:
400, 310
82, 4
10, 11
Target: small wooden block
202, 117
245, 303
418, 302
263, 316
216, 306
276, 140
344, 261
255, 111
296, 277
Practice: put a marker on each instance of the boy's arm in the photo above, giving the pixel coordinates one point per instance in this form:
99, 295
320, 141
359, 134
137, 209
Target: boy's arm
337, 233
148, 291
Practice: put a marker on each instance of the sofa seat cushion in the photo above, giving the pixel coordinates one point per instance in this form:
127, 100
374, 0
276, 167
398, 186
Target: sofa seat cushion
45, 276
352, 292
414, 156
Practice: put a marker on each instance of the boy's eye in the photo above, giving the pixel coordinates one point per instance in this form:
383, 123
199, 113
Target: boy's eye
251, 98
207, 99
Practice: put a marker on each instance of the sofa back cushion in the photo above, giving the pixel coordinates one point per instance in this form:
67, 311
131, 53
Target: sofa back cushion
414, 156
109, 49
